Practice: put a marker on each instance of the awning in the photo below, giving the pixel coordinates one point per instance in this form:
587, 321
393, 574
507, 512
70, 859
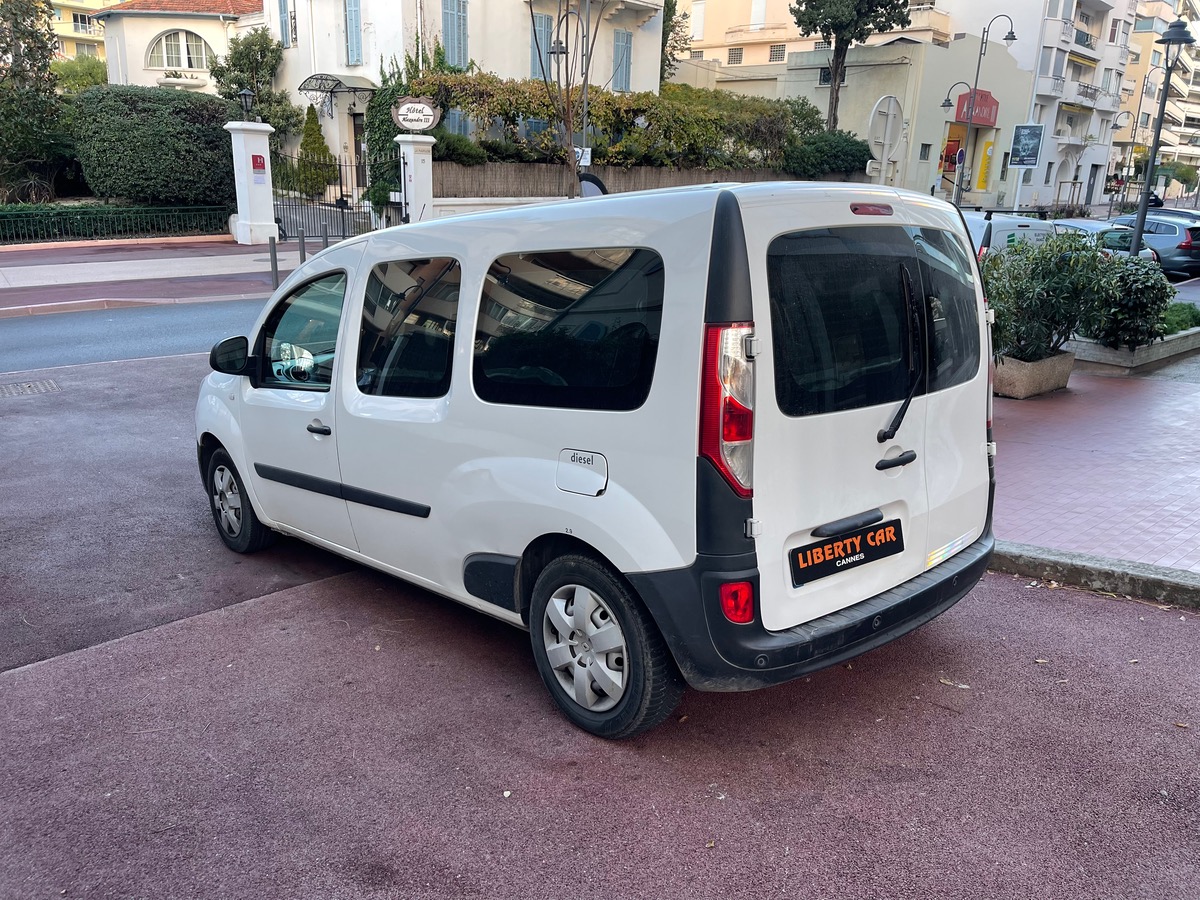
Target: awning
1082, 60
322, 90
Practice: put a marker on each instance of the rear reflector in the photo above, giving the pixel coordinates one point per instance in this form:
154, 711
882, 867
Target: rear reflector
737, 602
870, 209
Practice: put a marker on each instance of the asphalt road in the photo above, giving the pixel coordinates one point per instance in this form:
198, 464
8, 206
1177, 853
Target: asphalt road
176, 720
69, 339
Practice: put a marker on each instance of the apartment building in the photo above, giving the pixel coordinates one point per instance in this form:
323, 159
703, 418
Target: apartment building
76, 33
1070, 60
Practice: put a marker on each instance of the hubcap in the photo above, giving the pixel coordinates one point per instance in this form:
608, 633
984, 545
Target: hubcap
585, 647
227, 501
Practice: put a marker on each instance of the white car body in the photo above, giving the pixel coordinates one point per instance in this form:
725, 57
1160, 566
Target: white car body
468, 498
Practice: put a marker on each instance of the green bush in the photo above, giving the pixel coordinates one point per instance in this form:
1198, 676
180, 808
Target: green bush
817, 155
155, 145
1180, 317
1044, 293
315, 167
1134, 318
457, 148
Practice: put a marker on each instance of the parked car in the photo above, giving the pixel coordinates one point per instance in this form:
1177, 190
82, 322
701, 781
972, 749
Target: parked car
1113, 239
1178, 212
1176, 240
724, 435
992, 232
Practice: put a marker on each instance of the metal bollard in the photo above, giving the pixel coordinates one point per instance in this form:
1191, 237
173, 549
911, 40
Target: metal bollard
274, 263
300, 238
324, 235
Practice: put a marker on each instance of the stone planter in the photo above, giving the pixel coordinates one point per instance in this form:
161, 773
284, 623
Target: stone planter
1095, 357
1019, 380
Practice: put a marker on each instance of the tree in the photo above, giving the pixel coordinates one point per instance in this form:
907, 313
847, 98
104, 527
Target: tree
843, 22
29, 106
676, 39
316, 168
80, 73
252, 61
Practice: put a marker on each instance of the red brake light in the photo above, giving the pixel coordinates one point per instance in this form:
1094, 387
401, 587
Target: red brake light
982, 253
1186, 243
737, 602
727, 405
870, 209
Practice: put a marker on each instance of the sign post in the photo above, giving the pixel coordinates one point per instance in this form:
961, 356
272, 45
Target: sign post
416, 114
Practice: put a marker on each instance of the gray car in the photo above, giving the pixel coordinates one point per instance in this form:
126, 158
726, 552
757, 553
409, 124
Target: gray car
1176, 239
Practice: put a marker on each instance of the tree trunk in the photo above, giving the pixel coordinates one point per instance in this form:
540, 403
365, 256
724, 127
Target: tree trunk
837, 66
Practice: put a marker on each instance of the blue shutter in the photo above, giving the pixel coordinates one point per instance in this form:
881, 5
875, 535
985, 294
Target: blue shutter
285, 25
539, 47
454, 32
354, 56
622, 64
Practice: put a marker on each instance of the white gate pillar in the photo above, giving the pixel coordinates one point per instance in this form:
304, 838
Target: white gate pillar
255, 219
417, 150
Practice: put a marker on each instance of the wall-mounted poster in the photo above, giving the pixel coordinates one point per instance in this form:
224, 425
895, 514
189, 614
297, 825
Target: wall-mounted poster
1026, 147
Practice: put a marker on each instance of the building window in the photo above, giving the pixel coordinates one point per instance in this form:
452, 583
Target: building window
823, 45
179, 50
698, 20
622, 60
778, 53
354, 54
696, 54
825, 77
82, 23
1114, 30
735, 56
82, 49
285, 30
1027, 178
1156, 57
925, 148
454, 32
1049, 172
1004, 167
1144, 122
539, 46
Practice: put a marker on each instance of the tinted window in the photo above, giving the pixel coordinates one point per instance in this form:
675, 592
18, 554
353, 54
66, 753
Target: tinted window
407, 337
841, 330
570, 328
300, 335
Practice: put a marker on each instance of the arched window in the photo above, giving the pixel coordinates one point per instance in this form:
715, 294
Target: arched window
179, 50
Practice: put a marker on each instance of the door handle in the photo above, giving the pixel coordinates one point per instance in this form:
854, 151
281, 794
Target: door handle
902, 460
320, 429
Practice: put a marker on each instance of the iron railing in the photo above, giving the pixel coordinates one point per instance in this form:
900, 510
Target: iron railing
65, 223
332, 195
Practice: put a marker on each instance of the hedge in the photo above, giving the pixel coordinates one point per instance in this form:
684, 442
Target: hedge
155, 145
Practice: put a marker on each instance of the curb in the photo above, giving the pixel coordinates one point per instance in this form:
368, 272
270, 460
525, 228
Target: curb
43, 309
120, 242
1178, 587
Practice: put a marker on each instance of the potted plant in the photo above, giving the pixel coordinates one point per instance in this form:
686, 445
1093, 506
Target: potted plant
1042, 294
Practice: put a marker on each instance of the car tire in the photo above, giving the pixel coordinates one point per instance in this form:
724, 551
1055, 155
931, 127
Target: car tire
232, 512
598, 651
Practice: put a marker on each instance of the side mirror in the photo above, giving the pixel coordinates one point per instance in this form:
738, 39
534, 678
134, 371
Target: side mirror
230, 356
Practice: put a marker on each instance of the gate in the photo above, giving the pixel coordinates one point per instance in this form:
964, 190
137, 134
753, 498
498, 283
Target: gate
335, 194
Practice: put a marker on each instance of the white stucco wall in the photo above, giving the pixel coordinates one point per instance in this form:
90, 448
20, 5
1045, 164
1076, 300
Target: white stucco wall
129, 37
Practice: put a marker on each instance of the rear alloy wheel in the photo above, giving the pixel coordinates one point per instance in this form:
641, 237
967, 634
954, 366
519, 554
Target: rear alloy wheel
232, 513
598, 652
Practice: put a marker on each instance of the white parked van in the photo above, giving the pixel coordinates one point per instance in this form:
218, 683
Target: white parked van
719, 436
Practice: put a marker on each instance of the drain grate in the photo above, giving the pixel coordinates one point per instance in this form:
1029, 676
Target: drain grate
20, 388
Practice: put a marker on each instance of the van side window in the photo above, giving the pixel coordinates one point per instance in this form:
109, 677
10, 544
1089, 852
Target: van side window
573, 328
838, 317
300, 335
952, 319
407, 337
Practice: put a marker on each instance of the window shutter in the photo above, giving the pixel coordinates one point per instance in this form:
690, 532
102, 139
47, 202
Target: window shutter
622, 51
454, 32
354, 55
539, 46
285, 30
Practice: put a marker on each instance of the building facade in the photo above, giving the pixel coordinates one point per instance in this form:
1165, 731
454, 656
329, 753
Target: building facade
76, 32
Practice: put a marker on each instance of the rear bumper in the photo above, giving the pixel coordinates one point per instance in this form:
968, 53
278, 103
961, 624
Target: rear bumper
715, 655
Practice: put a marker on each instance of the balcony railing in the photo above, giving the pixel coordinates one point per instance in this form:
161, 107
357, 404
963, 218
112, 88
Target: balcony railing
1086, 91
81, 28
1052, 86
1085, 39
1123, 55
1068, 30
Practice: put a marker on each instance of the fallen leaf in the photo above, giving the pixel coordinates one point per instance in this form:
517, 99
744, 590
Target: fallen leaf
683, 718
955, 684
1182, 725
710, 845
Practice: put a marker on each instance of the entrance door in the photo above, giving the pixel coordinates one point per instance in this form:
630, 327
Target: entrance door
1093, 175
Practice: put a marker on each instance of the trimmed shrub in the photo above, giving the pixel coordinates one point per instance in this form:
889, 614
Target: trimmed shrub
316, 167
1135, 317
1180, 317
155, 145
457, 148
828, 151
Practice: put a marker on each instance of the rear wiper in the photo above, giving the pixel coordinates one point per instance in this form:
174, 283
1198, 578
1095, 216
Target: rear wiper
916, 356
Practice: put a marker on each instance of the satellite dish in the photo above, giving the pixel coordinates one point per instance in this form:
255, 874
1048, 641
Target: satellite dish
591, 186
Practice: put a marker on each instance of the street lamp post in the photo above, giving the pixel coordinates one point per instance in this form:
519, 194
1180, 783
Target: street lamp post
1008, 39
1176, 37
948, 104
1117, 126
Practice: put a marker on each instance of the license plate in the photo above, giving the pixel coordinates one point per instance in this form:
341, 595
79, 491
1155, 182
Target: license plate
846, 551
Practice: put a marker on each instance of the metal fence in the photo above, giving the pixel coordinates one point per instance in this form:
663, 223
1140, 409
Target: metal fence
332, 195
65, 223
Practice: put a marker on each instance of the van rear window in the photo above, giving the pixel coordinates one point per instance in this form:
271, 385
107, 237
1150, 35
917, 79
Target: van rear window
571, 328
841, 330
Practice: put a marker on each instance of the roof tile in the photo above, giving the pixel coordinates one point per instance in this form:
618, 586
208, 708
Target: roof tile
209, 7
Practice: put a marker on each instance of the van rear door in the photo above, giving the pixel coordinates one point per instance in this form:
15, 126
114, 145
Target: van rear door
843, 514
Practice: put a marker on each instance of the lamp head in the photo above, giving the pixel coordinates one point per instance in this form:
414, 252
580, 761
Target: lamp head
947, 104
1010, 38
1176, 34
247, 97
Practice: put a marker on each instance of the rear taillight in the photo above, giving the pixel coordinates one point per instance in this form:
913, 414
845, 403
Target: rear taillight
1186, 243
727, 405
737, 602
982, 253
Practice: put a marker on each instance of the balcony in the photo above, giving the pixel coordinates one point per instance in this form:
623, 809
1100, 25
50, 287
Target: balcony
778, 32
1084, 94
1123, 55
1085, 39
92, 29
1050, 86
1108, 102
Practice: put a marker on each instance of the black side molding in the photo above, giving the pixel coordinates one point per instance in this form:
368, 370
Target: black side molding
341, 491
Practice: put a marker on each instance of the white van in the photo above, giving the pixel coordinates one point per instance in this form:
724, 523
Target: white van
994, 232
719, 436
